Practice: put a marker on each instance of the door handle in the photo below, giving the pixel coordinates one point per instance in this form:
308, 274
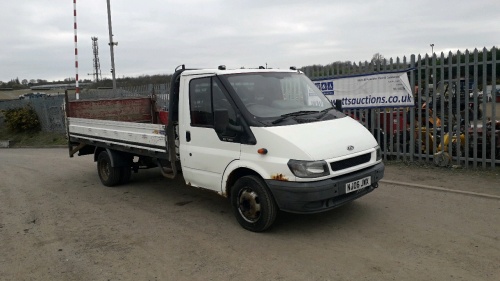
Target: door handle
188, 136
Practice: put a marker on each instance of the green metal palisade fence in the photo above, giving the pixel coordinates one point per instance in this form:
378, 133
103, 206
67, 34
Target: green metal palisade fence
466, 134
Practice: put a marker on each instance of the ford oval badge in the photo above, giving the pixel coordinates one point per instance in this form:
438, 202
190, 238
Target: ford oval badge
350, 147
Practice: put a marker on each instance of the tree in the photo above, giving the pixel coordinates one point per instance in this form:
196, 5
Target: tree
25, 82
377, 58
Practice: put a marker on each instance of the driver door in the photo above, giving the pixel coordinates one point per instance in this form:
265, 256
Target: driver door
204, 153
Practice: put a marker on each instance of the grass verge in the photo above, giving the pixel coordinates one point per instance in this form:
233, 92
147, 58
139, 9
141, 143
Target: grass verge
39, 139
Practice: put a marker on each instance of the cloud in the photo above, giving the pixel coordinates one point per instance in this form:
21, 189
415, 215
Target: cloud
155, 36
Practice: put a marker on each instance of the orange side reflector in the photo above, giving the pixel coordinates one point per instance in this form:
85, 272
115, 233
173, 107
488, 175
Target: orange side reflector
262, 151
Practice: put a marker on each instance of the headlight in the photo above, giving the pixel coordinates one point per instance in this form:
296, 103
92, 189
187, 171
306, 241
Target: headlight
308, 169
379, 153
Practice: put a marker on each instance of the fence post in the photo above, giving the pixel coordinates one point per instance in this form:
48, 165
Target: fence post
474, 142
484, 135
493, 142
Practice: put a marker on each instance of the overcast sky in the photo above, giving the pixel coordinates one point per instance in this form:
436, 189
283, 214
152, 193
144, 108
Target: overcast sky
155, 36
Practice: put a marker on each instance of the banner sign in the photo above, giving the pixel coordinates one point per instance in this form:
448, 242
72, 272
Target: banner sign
372, 90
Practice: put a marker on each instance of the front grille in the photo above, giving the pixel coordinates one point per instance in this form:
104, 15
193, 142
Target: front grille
350, 162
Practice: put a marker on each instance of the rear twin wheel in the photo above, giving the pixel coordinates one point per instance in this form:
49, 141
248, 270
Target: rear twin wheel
111, 176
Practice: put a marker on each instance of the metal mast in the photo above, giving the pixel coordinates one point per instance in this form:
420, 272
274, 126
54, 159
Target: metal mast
97, 65
111, 47
77, 89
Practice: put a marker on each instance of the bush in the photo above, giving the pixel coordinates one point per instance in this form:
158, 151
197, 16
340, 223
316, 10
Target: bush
22, 119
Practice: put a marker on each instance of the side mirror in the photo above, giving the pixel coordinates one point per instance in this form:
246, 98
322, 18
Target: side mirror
221, 120
338, 105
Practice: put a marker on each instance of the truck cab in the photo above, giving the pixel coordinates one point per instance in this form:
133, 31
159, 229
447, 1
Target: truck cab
269, 139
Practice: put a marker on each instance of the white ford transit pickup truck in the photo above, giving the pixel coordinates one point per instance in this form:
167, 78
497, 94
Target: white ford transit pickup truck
267, 139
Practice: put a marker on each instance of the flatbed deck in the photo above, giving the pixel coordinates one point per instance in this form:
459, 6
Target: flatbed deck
125, 136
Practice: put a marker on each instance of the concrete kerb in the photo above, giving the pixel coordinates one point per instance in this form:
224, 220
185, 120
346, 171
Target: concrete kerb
435, 188
4, 143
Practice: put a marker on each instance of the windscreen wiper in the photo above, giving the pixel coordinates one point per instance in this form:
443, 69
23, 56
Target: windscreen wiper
293, 114
324, 112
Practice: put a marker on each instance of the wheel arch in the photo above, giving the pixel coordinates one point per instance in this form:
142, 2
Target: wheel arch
239, 168
117, 158
235, 174
98, 150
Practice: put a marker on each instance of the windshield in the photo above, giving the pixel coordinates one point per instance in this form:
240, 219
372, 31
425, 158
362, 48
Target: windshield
270, 95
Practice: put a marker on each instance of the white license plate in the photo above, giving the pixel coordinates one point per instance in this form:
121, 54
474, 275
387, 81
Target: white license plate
357, 184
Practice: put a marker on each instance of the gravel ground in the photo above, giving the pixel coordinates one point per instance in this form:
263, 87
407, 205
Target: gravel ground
57, 222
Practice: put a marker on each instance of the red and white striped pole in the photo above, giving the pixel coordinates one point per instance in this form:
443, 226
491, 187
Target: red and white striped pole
77, 89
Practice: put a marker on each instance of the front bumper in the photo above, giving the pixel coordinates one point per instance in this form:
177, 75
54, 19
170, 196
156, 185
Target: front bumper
324, 195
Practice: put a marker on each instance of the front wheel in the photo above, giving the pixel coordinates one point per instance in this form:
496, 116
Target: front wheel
253, 204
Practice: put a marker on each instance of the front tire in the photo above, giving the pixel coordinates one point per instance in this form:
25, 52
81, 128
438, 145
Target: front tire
253, 204
110, 176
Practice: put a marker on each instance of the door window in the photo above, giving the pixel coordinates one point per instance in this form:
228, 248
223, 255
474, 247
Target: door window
206, 96
200, 99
